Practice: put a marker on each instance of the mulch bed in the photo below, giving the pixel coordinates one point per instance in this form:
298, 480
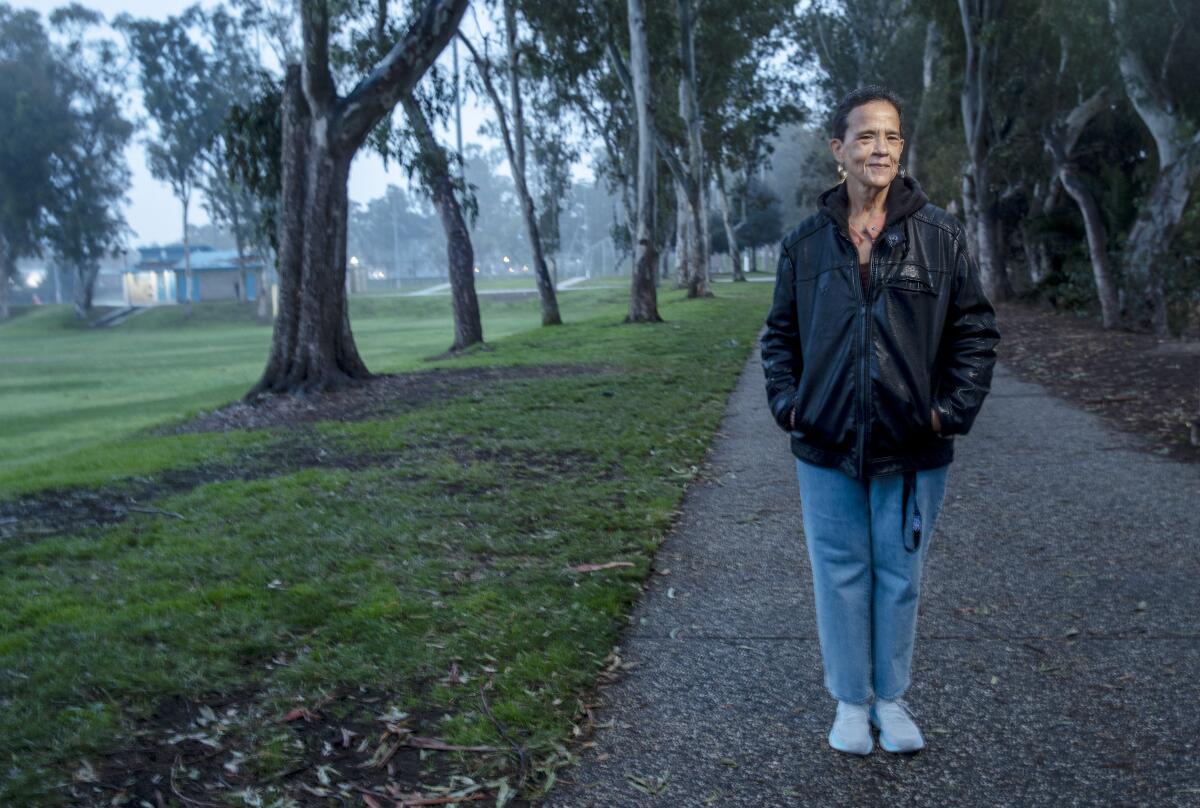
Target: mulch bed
1139, 383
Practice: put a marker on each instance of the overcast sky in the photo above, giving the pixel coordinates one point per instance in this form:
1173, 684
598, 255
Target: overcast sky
156, 216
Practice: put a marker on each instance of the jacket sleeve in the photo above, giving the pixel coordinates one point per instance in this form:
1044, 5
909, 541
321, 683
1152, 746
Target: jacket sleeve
967, 352
781, 357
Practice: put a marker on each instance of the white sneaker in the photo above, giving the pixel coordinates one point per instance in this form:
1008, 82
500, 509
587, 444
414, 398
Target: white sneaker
851, 731
897, 732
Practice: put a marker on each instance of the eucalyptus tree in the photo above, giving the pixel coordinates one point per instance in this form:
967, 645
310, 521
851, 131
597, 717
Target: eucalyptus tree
747, 97
84, 222
1071, 55
510, 119
184, 103
1156, 54
233, 71
643, 306
431, 163
332, 104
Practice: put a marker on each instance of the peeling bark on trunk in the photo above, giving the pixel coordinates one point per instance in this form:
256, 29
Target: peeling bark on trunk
643, 299
468, 328
1150, 239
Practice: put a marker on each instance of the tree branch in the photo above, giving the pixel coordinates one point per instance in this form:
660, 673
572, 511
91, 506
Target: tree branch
399, 71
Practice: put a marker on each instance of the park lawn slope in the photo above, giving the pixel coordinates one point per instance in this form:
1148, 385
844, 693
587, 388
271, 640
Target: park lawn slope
77, 400
359, 569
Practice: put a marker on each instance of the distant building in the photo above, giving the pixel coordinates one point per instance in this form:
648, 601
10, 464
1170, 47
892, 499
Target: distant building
159, 276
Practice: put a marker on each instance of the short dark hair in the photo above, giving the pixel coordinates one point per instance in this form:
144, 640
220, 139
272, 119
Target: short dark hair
856, 98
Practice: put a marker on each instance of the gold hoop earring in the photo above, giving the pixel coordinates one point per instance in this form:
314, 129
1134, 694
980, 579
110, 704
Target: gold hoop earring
841, 172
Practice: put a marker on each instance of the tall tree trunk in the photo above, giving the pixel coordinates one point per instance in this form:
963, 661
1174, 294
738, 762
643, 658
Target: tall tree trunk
698, 283
1036, 252
313, 348
1060, 139
263, 312
239, 243
514, 147
187, 257
735, 252
929, 59
1177, 143
8, 270
683, 238
977, 15
1097, 237
85, 289
643, 299
468, 328
545, 284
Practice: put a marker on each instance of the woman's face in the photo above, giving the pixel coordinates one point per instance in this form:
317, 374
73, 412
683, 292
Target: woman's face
871, 150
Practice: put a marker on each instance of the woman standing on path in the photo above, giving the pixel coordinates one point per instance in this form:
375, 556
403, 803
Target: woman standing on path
877, 351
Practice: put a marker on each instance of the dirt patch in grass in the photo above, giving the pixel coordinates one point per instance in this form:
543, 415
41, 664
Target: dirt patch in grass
385, 394
56, 511
1137, 382
352, 745
60, 510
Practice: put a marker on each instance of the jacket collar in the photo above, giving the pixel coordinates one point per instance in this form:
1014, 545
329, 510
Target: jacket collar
904, 198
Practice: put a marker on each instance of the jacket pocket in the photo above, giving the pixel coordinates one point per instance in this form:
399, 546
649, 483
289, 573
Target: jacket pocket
912, 278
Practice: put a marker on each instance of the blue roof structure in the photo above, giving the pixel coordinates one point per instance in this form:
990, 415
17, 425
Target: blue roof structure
204, 259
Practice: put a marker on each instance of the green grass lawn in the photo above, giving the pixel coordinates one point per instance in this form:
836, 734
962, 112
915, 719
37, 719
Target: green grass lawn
65, 386
435, 537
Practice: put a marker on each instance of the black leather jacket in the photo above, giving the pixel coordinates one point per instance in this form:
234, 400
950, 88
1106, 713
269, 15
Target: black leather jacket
863, 370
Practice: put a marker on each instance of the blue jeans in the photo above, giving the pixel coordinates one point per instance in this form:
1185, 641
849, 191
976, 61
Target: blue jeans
865, 582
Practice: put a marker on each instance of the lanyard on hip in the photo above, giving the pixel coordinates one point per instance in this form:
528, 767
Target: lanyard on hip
910, 483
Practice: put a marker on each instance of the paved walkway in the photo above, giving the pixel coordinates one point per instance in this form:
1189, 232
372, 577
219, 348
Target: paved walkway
1057, 655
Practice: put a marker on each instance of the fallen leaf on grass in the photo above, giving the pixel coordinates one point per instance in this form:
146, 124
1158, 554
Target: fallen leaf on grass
298, 713
595, 567
434, 743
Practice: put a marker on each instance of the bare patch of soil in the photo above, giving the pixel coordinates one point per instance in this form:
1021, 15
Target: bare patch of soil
1140, 383
59, 510
385, 394
54, 511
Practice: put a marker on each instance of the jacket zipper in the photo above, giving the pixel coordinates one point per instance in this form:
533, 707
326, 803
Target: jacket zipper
864, 365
